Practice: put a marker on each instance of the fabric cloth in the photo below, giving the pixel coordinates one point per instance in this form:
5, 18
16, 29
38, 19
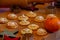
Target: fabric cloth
11, 38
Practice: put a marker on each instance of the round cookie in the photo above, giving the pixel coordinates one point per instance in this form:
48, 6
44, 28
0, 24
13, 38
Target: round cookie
12, 16
23, 17
31, 14
39, 19
51, 16
12, 24
3, 20
33, 26
24, 22
41, 31
26, 30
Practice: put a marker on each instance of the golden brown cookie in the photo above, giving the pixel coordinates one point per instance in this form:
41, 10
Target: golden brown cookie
23, 17
33, 26
26, 30
39, 19
12, 24
41, 31
12, 16
51, 16
3, 20
31, 14
24, 22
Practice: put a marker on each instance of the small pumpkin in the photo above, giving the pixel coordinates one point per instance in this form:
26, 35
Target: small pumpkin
52, 24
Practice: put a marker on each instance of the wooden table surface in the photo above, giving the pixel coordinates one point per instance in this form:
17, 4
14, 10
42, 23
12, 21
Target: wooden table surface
39, 12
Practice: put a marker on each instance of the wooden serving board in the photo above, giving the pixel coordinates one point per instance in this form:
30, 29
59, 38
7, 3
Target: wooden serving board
36, 37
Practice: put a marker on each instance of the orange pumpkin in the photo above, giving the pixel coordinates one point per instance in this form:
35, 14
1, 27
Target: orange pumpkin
52, 24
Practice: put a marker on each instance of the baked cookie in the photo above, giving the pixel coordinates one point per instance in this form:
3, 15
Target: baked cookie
41, 31
12, 16
39, 19
33, 26
3, 20
23, 17
26, 30
24, 22
31, 14
12, 24
51, 16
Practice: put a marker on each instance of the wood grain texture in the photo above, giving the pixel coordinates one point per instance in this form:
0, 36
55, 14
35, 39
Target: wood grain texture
36, 37
21, 2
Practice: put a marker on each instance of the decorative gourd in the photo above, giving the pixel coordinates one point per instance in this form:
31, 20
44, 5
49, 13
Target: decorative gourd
52, 24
